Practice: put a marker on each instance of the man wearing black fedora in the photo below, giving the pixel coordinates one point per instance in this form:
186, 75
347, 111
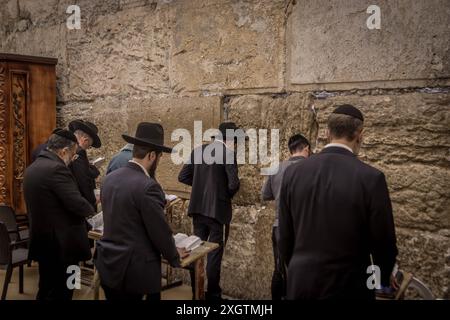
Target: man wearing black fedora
84, 172
136, 233
213, 187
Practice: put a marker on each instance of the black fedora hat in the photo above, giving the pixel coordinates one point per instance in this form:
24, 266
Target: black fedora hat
148, 134
87, 127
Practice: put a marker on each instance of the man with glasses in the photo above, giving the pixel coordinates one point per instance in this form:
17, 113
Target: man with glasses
57, 211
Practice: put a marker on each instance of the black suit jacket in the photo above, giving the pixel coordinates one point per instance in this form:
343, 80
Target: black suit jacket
334, 212
136, 233
85, 175
213, 185
57, 211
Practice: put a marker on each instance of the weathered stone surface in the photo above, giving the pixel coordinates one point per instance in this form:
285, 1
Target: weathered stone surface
329, 42
290, 114
248, 263
174, 113
124, 54
47, 42
408, 137
227, 45
109, 115
426, 256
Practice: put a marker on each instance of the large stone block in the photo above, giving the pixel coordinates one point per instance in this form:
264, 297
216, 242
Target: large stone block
329, 43
290, 114
248, 260
49, 41
122, 54
426, 255
174, 113
109, 116
41, 13
419, 195
227, 45
408, 137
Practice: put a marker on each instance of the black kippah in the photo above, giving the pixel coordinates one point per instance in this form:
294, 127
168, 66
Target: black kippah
349, 110
65, 134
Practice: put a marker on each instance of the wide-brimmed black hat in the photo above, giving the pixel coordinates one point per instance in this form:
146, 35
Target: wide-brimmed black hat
148, 134
87, 127
224, 126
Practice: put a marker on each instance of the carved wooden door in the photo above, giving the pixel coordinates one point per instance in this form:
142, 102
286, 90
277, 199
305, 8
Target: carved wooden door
27, 117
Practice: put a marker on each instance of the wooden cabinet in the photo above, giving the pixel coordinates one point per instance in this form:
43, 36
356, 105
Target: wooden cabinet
27, 118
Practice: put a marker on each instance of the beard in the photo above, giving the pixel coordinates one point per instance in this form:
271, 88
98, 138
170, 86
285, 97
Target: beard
152, 169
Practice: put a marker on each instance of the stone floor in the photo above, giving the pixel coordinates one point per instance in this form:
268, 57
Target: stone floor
31, 278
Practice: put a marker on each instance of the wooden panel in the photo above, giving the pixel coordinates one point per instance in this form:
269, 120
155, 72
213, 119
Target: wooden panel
42, 108
27, 118
4, 138
19, 101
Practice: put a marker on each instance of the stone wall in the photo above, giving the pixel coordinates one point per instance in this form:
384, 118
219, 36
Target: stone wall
265, 64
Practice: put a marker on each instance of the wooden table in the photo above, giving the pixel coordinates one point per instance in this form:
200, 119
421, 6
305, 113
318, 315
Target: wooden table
196, 257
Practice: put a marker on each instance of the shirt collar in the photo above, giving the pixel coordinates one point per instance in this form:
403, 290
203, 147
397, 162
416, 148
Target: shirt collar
340, 145
296, 158
128, 147
140, 165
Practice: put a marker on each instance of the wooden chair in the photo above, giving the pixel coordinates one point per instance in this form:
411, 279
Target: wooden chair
11, 256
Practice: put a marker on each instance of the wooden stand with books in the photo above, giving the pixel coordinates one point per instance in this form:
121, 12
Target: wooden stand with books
196, 257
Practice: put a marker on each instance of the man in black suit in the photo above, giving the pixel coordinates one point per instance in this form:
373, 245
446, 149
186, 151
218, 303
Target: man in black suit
214, 183
57, 211
85, 173
299, 149
136, 233
335, 215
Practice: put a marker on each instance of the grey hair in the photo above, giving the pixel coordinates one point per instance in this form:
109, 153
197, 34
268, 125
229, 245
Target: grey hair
56, 142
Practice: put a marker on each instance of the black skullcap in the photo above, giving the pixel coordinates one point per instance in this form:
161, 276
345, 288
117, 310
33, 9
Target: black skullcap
349, 110
65, 134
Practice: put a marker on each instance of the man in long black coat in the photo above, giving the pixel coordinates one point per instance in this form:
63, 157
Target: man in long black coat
84, 172
213, 187
335, 212
57, 211
136, 233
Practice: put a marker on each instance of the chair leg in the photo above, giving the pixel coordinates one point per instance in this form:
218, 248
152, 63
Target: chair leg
21, 278
7, 280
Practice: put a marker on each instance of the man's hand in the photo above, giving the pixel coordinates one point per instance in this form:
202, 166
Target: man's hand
183, 252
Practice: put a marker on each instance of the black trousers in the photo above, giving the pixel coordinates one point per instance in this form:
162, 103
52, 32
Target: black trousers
111, 294
209, 229
279, 273
53, 280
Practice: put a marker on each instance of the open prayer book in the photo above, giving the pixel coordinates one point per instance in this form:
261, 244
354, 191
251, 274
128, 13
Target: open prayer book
98, 161
170, 197
188, 242
96, 221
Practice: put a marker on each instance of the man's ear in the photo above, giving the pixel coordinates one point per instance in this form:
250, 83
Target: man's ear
152, 156
360, 135
327, 132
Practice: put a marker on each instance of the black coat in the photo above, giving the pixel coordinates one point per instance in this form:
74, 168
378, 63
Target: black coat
57, 211
85, 175
334, 212
136, 232
37, 151
213, 185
